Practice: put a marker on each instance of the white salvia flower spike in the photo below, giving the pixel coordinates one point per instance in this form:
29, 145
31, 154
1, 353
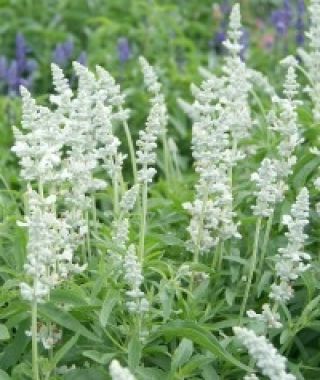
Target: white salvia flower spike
292, 260
147, 142
221, 119
268, 360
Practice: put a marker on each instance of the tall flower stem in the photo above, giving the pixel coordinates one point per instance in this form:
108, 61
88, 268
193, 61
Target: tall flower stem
115, 184
218, 257
200, 227
265, 243
166, 157
131, 151
34, 320
144, 209
253, 263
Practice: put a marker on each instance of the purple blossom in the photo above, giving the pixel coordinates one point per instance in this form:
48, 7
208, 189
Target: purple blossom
12, 78
63, 53
124, 51
225, 8
83, 58
300, 22
21, 53
281, 18
20, 70
221, 34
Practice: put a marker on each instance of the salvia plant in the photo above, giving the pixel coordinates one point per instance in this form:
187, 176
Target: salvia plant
131, 268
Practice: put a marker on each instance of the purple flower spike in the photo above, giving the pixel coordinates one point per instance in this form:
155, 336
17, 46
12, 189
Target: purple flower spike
13, 80
63, 53
281, 18
21, 53
83, 58
124, 51
300, 22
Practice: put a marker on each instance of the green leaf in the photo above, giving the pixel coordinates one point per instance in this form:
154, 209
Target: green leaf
182, 354
65, 319
13, 350
4, 332
99, 357
63, 350
108, 304
4, 375
196, 362
201, 337
86, 374
134, 352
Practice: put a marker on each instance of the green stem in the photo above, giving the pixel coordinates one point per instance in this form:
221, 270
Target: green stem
115, 184
88, 237
143, 220
34, 320
94, 214
252, 267
219, 257
166, 156
200, 229
265, 243
131, 152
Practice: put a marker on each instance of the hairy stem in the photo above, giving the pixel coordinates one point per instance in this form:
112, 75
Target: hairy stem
253, 263
166, 157
34, 321
131, 151
265, 243
144, 209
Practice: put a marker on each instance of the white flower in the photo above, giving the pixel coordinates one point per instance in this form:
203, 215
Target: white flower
267, 359
134, 278
155, 125
117, 372
270, 186
251, 376
150, 76
270, 318
271, 177
129, 199
120, 233
51, 243
292, 260
221, 119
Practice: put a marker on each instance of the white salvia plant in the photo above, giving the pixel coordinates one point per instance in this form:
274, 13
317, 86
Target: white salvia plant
268, 360
147, 142
291, 261
117, 372
51, 243
155, 125
221, 119
59, 151
271, 177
